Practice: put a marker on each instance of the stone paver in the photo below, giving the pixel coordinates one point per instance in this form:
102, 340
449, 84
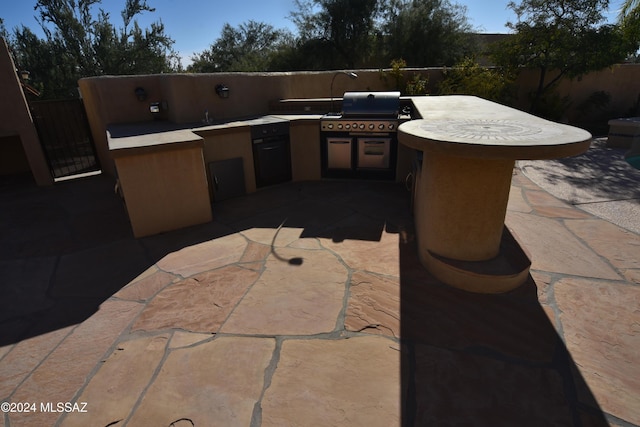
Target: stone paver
254, 255
204, 256
25, 356
116, 387
65, 370
304, 329
33, 277
374, 305
198, 304
377, 256
467, 389
96, 272
517, 202
146, 286
185, 339
268, 236
213, 384
619, 246
352, 382
538, 198
601, 323
303, 297
555, 249
5, 349
632, 276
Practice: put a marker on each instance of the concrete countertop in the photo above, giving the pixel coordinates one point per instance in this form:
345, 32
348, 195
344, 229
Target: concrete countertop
458, 124
126, 136
148, 134
471, 126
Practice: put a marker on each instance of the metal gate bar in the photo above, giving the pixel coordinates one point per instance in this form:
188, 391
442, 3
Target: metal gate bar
65, 136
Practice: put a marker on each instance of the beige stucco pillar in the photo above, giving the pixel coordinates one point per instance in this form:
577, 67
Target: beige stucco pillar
17, 120
469, 147
466, 204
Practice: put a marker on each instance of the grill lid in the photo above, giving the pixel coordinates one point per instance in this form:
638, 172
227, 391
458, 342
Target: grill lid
378, 104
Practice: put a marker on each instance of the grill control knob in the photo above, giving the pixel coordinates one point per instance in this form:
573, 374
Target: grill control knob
330, 126
361, 125
391, 126
347, 126
355, 125
372, 126
340, 126
381, 126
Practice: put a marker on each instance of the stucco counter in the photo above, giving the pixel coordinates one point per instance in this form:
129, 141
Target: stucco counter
162, 176
161, 166
470, 146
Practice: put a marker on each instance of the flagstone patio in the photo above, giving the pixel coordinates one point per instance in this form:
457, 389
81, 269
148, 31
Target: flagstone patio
305, 305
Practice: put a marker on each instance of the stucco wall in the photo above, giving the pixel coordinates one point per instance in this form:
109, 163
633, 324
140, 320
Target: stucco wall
16, 123
112, 99
621, 82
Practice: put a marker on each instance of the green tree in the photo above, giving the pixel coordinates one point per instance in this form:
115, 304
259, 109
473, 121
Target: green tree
252, 46
629, 7
629, 21
80, 43
336, 33
3, 30
427, 32
560, 39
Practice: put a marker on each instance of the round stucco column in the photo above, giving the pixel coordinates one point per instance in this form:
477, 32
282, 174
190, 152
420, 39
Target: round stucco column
465, 205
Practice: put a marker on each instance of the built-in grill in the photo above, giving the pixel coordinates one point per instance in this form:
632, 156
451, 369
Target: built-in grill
361, 142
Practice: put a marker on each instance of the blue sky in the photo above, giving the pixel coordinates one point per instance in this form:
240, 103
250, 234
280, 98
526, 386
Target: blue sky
196, 24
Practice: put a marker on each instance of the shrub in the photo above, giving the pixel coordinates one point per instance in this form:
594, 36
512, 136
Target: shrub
395, 78
470, 78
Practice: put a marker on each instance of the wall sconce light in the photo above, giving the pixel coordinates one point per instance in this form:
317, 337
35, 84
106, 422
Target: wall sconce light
222, 91
23, 80
141, 94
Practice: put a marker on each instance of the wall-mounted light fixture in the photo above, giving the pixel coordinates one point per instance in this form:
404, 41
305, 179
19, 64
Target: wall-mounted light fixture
24, 79
141, 94
222, 91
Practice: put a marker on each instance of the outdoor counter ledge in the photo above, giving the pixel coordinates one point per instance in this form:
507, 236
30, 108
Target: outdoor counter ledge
470, 146
161, 174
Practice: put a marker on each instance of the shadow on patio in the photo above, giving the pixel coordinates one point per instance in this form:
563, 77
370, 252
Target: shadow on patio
466, 359
599, 174
485, 360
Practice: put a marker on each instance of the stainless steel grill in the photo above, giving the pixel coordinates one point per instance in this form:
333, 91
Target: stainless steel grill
365, 112
361, 142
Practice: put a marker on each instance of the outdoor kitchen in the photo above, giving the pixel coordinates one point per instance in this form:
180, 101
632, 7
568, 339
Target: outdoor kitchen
241, 156
396, 215
455, 154
308, 275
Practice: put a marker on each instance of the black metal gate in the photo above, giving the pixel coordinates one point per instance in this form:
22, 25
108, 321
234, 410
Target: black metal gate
65, 136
